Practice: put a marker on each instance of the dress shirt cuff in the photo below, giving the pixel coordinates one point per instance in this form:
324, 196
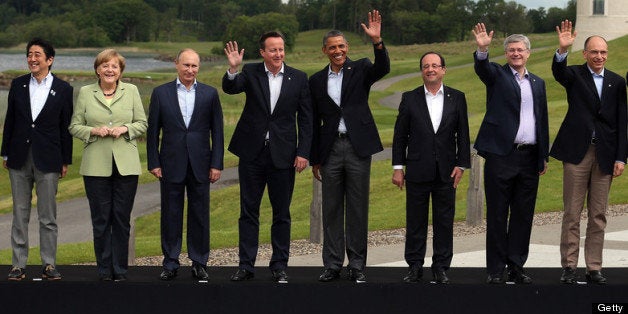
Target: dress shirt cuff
230, 76
481, 55
5, 158
619, 161
462, 168
560, 57
398, 167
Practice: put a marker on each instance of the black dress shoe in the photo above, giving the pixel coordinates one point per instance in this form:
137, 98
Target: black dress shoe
495, 279
242, 274
440, 276
119, 277
328, 275
199, 272
414, 275
279, 276
595, 276
518, 276
357, 275
105, 277
568, 276
168, 274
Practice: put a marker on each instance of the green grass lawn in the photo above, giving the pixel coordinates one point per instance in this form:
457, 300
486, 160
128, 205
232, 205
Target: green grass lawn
387, 208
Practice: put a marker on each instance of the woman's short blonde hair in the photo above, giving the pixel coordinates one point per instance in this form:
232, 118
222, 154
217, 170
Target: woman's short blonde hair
106, 56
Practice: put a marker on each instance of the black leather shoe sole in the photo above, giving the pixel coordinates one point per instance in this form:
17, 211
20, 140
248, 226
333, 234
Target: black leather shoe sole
242, 274
494, 280
168, 275
329, 275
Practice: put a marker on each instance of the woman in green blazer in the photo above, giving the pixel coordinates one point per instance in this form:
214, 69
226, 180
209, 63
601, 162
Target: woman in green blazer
108, 117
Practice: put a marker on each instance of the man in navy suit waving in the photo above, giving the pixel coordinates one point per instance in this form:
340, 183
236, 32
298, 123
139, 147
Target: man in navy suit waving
514, 140
345, 138
272, 140
591, 143
37, 149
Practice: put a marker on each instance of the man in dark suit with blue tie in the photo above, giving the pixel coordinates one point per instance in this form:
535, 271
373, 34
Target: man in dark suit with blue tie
189, 157
269, 146
591, 143
514, 141
37, 149
431, 140
345, 138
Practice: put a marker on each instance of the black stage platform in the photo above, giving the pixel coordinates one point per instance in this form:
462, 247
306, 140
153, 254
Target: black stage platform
81, 292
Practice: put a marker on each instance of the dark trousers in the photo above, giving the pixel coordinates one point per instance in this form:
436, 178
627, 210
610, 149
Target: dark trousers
110, 203
511, 184
172, 199
417, 215
345, 186
254, 177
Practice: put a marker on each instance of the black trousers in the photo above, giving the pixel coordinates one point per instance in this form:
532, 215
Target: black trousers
510, 184
110, 203
172, 200
443, 197
254, 177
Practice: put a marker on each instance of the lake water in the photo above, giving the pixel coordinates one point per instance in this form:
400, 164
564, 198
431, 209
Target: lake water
79, 63
84, 63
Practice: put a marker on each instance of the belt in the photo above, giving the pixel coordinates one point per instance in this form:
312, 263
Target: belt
342, 135
524, 146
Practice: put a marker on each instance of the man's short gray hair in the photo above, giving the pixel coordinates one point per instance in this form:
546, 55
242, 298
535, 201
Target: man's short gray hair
515, 38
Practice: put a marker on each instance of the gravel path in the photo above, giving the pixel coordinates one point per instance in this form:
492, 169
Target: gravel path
220, 257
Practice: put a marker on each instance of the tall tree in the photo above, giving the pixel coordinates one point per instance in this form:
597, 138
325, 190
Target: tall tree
247, 30
122, 21
512, 18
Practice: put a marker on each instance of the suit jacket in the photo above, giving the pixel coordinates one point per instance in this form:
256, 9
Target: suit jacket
47, 136
201, 144
587, 112
358, 76
503, 106
416, 145
91, 111
293, 111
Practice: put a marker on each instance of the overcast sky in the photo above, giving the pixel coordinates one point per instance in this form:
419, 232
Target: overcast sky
535, 4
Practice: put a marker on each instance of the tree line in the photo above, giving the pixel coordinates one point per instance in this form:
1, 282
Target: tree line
99, 23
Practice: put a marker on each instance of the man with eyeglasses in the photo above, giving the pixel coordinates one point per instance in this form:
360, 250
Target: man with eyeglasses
591, 143
514, 141
431, 140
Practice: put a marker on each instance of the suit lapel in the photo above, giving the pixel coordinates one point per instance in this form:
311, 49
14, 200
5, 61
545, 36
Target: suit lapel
424, 112
347, 73
174, 104
262, 80
606, 84
591, 86
515, 85
25, 89
198, 100
286, 85
448, 108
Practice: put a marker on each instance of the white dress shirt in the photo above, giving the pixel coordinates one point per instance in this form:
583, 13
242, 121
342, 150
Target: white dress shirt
334, 90
187, 98
39, 93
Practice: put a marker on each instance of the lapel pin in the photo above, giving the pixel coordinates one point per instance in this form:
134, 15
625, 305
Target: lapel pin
24, 85
348, 68
289, 78
52, 92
